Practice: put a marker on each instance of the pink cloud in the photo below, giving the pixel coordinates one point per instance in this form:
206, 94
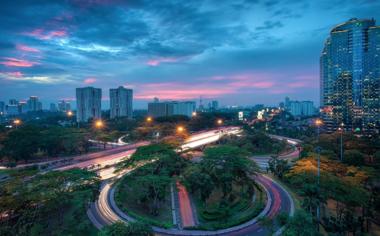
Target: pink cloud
26, 48
46, 35
14, 62
158, 61
180, 91
89, 80
17, 74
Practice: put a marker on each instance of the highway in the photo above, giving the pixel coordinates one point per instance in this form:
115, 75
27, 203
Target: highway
105, 211
262, 161
111, 157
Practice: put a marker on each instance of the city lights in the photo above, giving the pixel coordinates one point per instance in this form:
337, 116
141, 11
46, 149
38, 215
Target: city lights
99, 124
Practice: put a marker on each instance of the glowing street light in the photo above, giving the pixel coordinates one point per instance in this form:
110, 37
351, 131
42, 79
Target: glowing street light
17, 122
149, 119
341, 129
219, 121
180, 129
194, 114
99, 124
318, 123
69, 113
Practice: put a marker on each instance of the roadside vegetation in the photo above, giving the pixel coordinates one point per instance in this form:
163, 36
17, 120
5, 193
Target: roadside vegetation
223, 189
221, 185
145, 192
123, 229
54, 203
348, 193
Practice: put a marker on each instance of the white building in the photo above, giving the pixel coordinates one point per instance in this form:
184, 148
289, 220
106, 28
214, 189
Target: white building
121, 102
301, 108
169, 108
64, 106
88, 103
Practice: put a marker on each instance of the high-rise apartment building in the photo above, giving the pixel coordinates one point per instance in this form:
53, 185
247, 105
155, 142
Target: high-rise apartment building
64, 106
88, 103
2, 108
121, 102
169, 108
299, 108
350, 75
34, 104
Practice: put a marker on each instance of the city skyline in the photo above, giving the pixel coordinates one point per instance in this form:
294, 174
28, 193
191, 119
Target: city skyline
242, 53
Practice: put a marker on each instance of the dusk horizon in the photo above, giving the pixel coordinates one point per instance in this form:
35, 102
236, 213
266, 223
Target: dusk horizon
241, 53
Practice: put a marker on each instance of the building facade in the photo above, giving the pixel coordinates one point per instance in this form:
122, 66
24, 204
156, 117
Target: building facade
169, 108
121, 100
88, 103
64, 106
34, 104
349, 76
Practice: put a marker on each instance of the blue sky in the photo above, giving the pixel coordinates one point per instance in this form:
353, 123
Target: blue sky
238, 52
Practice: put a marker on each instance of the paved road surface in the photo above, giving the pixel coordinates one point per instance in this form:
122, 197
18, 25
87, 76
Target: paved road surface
185, 209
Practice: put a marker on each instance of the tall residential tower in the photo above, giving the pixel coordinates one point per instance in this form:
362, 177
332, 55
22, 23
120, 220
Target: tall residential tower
88, 103
350, 75
121, 102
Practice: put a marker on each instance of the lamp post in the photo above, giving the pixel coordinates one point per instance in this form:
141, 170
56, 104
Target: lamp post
149, 119
219, 121
17, 122
318, 123
99, 124
341, 129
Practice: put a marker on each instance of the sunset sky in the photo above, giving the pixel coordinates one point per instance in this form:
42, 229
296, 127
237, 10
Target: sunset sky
238, 52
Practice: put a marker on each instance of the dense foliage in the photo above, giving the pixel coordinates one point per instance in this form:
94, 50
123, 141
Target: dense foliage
222, 182
130, 229
54, 203
31, 142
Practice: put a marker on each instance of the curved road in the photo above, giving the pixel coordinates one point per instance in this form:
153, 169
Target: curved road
105, 211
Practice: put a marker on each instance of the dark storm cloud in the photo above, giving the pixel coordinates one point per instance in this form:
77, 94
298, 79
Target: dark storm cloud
142, 42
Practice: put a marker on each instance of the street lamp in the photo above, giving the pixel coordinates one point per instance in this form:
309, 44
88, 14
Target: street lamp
341, 129
99, 124
219, 121
180, 129
194, 114
17, 122
69, 113
318, 123
149, 119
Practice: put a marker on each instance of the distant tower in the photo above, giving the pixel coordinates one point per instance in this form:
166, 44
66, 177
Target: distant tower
88, 103
201, 108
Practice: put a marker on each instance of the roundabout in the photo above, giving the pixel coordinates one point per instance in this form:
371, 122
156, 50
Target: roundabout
108, 208
105, 211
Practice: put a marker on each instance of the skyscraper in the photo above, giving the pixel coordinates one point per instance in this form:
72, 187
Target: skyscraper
121, 102
2, 108
64, 106
88, 103
34, 104
350, 74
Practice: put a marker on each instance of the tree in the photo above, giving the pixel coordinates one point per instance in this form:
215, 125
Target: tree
300, 224
151, 190
353, 157
40, 204
22, 143
278, 167
129, 229
198, 181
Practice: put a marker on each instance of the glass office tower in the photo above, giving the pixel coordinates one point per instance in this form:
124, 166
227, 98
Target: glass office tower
349, 71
